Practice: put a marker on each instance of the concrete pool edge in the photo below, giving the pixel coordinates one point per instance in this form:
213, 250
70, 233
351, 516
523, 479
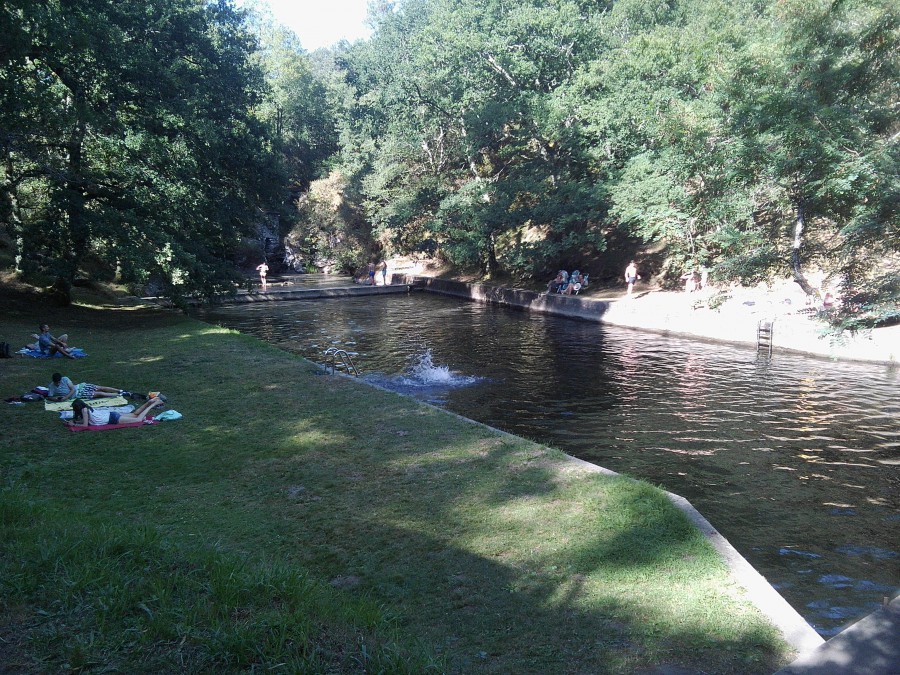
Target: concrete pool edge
794, 628
792, 334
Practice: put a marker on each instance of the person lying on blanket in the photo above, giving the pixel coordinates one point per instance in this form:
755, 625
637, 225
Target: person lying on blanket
62, 389
84, 415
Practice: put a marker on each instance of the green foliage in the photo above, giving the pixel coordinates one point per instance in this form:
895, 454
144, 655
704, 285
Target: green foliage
470, 143
755, 138
330, 234
297, 105
132, 140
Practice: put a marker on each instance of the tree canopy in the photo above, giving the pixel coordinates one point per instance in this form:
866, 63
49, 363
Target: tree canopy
752, 137
755, 139
129, 138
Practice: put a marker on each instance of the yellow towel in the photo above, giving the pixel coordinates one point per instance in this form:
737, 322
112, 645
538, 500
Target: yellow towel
94, 403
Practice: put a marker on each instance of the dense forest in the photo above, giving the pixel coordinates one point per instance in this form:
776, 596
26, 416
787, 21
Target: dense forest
158, 142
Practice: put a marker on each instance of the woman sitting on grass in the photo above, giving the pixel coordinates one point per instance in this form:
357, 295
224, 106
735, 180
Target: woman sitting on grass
84, 415
49, 345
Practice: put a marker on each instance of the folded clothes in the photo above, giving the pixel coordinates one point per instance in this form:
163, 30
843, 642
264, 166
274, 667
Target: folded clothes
107, 427
113, 402
169, 415
77, 352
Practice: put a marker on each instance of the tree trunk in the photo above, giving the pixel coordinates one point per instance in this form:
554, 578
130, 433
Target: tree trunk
16, 229
492, 266
799, 226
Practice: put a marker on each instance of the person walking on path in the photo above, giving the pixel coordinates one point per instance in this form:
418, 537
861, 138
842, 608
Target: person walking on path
263, 270
631, 276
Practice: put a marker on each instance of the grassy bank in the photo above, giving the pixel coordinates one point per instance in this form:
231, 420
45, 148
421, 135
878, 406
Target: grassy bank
309, 523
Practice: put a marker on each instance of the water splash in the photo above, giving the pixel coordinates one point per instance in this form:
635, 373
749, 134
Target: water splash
424, 373
424, 379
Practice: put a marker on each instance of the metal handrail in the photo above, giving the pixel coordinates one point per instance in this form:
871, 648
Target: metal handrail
332, 354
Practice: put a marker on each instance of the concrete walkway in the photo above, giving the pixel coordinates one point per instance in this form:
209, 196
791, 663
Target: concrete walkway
871, 646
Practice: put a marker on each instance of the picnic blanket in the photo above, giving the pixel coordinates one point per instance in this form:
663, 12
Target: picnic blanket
94, 403
77, 352
107, 427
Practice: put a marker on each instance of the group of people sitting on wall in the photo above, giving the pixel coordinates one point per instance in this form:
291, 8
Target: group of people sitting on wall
567, 285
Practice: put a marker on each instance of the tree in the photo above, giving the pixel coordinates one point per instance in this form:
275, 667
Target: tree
816, 136
467, 141
133, 143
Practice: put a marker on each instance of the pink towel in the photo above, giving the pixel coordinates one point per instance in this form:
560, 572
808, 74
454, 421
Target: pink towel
104, 427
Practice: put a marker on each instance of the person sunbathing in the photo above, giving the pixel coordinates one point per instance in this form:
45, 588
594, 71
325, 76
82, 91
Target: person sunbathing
85, 416
62, 389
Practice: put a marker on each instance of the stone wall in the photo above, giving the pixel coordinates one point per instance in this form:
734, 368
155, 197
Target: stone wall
570, 306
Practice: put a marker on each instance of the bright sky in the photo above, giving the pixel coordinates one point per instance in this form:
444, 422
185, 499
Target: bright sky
321, 23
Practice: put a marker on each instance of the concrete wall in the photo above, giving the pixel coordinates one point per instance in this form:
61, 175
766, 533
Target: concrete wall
559, 305
276, 293
674, 315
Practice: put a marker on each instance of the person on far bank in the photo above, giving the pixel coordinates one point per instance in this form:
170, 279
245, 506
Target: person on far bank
576, 281
47, 344
384, 273
561, 278
263, 270
691, 281
631, 276
371, 269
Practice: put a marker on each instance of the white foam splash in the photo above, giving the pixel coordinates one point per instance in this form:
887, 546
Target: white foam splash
423, 373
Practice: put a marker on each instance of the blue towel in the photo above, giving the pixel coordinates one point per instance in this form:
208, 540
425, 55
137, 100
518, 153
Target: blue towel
37, 354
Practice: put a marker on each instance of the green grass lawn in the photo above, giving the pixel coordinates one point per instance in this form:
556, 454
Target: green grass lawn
301, 522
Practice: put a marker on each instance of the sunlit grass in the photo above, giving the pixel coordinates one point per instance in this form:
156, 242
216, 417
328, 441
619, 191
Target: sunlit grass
307, 522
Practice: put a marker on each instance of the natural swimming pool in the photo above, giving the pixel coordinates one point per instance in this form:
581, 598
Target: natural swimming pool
794, 459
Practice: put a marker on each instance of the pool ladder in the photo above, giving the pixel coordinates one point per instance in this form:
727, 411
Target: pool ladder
332, 354
764, 334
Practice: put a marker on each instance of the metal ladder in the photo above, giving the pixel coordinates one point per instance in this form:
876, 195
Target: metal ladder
764, 333
332, 354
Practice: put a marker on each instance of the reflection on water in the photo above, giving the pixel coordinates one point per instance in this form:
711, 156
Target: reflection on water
795, 460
